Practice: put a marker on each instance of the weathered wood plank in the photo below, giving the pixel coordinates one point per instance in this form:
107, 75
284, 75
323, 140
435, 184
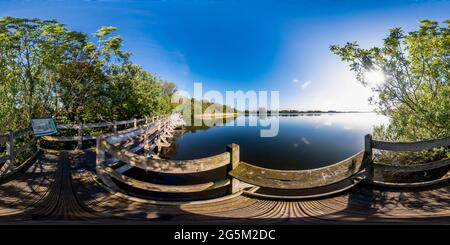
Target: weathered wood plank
350, 184
414, 167
167, 166
443, 179
60, 138
97, 125
164, 188
120, 137
410, 146
299, 179
68, 126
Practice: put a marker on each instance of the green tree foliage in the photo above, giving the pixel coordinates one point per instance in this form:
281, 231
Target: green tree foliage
46, 69
416, 90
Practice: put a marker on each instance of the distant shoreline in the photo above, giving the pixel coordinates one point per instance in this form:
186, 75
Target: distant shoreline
235, 114
308, 112
217, 115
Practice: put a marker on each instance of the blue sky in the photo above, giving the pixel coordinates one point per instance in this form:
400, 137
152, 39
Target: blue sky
246, 45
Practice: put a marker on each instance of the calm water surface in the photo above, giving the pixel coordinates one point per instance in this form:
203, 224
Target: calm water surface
303, 141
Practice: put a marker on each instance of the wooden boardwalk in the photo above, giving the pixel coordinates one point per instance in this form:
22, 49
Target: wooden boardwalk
63, 188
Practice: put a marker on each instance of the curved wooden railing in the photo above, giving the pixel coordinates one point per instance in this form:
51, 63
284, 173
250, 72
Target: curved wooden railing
107, 146
409, 147
80, 137
300, 179
8, 164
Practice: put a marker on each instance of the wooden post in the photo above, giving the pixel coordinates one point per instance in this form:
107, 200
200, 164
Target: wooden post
135, 122
146, 144
115, 127
233, 149
100, 155
80, 136
10, 152
368, 155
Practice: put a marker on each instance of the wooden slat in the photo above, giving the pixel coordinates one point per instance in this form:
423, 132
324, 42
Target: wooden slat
125, 122
60, 138
125, 134
25, 147
20, 133
410, 146
443, 179
131, 134
164, 188
68, 126
351, 184
167, 166
98, 125
27, 163
414, 167
299, 179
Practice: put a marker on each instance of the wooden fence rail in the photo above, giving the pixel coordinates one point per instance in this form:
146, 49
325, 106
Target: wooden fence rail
8, 163
409, 147
106, 147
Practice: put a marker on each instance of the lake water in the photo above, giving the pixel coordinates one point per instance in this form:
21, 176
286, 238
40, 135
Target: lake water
303, 142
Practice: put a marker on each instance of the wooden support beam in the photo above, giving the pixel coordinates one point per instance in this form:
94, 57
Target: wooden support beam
368, 156
100, 159
80, 137
10, 152
233, 149
115, 127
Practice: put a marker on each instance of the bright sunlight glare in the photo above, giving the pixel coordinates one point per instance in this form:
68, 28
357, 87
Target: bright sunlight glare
374, 77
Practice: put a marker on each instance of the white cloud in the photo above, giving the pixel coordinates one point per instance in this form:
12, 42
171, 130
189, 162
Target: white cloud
295, 80
306, 84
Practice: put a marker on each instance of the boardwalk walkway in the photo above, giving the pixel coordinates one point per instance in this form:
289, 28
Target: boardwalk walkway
63, 188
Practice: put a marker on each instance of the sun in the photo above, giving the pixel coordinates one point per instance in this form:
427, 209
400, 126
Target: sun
375, 77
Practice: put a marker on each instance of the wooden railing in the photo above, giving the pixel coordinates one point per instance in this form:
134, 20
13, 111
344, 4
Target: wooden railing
8, 165
300, 179
408, 147
80, 137
106, 146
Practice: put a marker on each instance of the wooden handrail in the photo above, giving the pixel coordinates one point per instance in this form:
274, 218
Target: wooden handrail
413, 167
410, 146
166, 166
164, 188
299, 179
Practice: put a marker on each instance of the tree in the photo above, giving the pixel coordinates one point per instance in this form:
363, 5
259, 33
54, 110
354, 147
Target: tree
416, 91
30, 52
46, 69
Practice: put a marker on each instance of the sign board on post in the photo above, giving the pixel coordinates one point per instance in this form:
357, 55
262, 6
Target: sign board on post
43, 126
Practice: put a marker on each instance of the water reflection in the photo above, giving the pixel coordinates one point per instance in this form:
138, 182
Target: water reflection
304, 141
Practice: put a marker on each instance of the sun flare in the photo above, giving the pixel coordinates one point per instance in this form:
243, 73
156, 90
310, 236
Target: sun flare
374, 77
